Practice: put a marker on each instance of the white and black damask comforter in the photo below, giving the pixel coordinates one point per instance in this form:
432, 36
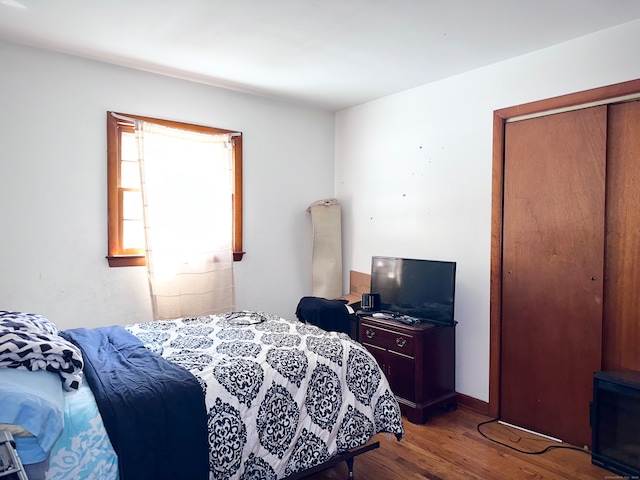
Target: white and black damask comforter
281, 396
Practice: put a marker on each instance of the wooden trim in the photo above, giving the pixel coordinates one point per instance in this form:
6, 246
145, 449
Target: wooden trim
237, 199
500, 117
495, 295
127, 260
474, 404
170, 123
113, 153
572, 99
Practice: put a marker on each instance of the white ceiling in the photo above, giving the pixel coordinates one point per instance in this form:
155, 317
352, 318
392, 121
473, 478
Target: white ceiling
328, 53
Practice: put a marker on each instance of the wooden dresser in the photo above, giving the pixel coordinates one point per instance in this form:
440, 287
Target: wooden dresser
419, 362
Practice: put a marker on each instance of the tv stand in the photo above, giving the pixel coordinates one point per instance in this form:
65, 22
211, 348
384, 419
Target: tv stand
418, 360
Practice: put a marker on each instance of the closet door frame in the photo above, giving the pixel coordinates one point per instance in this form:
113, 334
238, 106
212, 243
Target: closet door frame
602, 95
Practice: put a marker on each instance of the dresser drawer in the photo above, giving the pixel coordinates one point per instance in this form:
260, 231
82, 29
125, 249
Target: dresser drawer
387, 338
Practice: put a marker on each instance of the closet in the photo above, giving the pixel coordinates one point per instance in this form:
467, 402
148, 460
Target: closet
565, 263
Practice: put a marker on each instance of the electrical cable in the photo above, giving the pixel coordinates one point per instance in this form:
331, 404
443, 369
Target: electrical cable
540, 452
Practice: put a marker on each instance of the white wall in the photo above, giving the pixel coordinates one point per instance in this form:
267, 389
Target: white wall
53, 207
413, 170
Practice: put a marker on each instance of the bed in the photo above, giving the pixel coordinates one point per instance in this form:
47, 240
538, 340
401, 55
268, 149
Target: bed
276, 398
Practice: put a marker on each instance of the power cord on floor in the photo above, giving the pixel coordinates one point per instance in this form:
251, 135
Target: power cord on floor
550, 447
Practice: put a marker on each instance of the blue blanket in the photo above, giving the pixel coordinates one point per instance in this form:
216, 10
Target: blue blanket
153, 409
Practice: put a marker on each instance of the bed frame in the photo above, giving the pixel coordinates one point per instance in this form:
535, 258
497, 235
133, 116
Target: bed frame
348, 457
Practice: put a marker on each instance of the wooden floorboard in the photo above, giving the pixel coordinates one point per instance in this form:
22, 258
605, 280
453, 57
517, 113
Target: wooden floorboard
449, 447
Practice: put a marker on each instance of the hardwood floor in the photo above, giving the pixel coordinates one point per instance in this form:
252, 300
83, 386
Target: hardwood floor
449, 447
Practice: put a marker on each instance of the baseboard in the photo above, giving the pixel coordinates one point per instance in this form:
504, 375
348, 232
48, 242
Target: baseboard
473, 404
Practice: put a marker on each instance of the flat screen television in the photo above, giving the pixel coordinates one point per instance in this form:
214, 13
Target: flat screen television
423, 289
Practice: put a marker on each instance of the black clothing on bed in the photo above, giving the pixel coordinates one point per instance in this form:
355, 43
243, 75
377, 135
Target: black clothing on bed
330, 315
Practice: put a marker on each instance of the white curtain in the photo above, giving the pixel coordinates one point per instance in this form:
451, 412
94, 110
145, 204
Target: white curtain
186, 183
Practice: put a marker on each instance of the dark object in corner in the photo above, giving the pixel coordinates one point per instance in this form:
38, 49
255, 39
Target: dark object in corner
330, 315
615, 413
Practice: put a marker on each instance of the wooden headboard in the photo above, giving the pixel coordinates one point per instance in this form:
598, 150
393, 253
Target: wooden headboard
359, 283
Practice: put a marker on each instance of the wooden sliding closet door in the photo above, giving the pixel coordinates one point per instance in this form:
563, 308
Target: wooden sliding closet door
552, 280
621, 346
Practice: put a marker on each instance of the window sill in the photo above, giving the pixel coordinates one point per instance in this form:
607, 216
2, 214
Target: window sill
127, 260
141, 261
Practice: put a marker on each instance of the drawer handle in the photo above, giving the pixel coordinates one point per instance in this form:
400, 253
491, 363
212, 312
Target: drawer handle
370, 333
401, 342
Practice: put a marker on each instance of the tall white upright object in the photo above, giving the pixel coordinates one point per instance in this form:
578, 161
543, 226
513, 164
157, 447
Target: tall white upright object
327, 248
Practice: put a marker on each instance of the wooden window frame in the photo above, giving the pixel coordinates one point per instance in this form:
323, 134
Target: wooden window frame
117, 255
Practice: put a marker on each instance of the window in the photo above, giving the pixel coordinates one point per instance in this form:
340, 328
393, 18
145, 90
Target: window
126, 233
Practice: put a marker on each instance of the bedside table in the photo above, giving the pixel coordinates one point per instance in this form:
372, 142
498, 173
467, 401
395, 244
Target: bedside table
418, 361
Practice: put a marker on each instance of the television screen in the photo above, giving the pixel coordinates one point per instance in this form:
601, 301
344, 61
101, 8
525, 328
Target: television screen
424, 289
